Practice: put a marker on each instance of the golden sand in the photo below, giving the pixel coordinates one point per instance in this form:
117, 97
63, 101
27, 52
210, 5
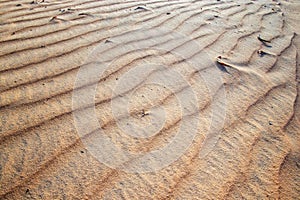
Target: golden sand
251, 46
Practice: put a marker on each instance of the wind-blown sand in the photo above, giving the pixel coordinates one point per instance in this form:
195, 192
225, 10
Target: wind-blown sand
252, 45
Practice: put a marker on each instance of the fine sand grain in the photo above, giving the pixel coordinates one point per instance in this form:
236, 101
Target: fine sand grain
252, 46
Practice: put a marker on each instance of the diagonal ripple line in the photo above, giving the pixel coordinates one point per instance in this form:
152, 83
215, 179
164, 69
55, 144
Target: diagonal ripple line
101, 145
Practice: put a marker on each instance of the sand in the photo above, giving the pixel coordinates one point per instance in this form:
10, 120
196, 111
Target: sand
149, 99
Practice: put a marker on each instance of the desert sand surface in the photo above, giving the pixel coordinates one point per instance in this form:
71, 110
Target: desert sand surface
199, 99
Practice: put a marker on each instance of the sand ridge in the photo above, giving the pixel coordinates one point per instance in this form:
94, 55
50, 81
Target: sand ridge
254, 45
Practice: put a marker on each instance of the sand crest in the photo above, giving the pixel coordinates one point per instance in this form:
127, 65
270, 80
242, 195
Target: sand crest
149, 99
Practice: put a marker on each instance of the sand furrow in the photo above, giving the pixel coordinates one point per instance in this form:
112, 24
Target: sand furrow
239, 136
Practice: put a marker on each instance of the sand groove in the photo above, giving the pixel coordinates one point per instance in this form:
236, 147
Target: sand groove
45, 44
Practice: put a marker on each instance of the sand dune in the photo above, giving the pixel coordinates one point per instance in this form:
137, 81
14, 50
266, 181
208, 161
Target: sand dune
200, 97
